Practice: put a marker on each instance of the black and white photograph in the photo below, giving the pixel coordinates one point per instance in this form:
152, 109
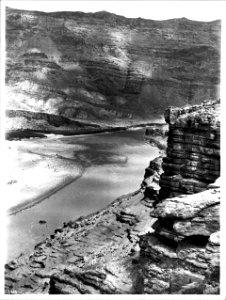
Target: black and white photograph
111, 115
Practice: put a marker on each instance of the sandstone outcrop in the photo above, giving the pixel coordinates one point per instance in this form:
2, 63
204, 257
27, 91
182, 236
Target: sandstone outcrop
193, 152
108, 68
182, 255
150, 183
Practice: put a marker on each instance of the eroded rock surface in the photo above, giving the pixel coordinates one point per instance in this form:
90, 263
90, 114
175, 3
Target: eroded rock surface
182, 255
193, 150
150, 183
96, 254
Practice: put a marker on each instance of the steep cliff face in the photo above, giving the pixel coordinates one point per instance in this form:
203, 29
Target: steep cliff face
193, 151
100, 66
182, 254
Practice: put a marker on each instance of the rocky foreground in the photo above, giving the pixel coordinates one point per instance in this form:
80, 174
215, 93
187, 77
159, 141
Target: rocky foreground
67, 69
143, 242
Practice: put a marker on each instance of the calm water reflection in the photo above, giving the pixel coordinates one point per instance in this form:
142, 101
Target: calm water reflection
114, 165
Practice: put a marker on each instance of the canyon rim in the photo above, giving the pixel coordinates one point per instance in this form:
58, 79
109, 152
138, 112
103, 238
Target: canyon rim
74, 79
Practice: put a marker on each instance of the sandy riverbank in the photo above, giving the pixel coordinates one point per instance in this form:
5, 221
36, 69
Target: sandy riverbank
36, 169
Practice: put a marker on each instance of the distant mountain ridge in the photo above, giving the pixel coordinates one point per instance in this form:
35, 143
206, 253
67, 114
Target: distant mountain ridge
104, 67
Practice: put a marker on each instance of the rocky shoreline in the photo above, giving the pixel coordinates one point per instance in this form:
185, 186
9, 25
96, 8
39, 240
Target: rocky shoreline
142, 242
62, 126
97, 238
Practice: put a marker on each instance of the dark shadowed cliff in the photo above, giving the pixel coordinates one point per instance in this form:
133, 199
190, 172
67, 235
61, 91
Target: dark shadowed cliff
105, 67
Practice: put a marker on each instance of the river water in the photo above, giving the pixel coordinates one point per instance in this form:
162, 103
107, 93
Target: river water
114, 165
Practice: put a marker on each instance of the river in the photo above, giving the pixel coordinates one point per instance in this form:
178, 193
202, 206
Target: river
114, 165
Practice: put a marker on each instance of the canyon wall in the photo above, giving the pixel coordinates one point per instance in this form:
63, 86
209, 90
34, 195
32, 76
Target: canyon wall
181, 255
193, 152
105, 67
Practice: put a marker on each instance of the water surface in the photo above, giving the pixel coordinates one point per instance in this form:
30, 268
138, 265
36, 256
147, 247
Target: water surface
114, 165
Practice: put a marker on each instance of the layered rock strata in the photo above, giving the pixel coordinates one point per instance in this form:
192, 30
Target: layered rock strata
108, 68
193, 152
23, 123
182, 255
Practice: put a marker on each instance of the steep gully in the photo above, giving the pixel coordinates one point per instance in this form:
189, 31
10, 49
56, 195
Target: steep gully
121, 249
